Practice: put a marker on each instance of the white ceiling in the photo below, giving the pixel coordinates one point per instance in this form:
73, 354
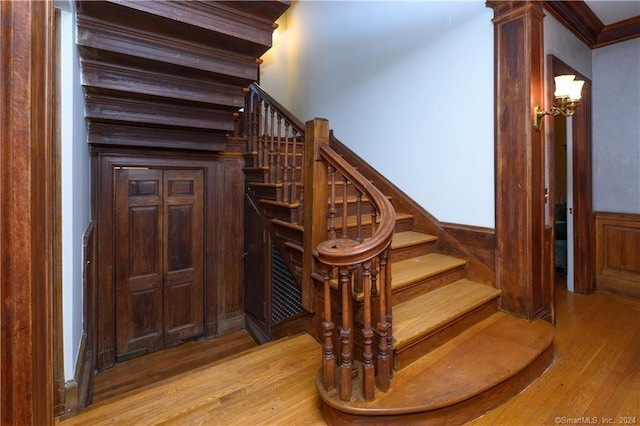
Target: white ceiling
610, 11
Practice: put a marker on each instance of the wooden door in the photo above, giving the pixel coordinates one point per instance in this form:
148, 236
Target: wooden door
159, 259
139, 269
183, 256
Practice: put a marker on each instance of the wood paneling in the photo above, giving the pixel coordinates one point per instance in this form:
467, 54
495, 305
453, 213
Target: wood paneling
26, 213
169, 74
222, 237
618, 253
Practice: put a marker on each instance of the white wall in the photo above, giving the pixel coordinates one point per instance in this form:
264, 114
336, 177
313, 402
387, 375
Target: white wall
616, 127
75, 183
407, 85
562, 43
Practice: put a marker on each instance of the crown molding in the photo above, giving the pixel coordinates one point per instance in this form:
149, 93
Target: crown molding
580, 19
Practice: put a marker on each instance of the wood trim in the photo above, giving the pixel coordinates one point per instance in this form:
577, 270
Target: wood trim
478, 240
583, 22
618, 253
86, 364
582, 177
26, 213
58, 341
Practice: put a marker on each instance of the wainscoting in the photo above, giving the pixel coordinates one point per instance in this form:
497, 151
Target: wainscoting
618, 253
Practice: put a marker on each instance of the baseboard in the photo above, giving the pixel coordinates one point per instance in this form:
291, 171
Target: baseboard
78, 390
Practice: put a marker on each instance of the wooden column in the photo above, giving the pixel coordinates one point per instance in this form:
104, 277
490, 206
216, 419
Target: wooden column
519, 150
26, 213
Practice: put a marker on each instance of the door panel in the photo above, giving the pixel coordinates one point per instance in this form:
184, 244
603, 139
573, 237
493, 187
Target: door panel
255, 268
184, 255
138, 252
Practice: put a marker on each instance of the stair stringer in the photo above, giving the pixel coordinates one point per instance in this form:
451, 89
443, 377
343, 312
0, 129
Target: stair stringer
479, 268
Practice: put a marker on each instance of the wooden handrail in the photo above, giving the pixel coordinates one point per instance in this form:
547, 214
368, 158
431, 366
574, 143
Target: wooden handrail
345, 252
356, 260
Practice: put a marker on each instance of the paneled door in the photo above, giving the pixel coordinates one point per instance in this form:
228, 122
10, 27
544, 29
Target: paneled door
159, 255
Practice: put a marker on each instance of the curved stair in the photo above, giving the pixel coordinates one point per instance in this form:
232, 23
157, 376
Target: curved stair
477, 370
455, 354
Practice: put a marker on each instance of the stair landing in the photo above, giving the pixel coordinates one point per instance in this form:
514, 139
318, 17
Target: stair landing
457, 382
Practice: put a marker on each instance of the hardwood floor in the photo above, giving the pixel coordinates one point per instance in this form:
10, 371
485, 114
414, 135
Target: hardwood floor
147, 370
595, 376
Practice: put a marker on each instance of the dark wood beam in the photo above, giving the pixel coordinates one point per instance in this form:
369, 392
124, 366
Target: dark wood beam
26, 213
519, 150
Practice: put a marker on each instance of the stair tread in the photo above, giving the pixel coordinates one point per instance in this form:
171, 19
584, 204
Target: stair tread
430, 311
483, 357
418, 268
410, 238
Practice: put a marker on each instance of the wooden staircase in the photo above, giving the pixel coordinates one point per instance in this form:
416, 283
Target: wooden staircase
455, 354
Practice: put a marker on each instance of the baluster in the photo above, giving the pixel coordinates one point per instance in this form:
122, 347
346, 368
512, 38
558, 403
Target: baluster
272, 151
368, 371
301, 190
294, 165
345, 212
332, 204
287, 168
359, 237
384, 331
375, 297
346, 361
261, 137
374, 220
279, 151
328, 359
252, 126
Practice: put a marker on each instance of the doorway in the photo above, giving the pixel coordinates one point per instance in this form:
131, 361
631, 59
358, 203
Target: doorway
159, 255
572, 136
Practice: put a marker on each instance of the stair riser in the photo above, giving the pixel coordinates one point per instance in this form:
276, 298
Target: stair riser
285, 213
288, 235
429, 284
404, 253
273, 193
454, 415
425, 344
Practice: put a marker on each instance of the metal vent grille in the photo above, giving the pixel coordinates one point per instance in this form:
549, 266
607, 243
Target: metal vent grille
286, 297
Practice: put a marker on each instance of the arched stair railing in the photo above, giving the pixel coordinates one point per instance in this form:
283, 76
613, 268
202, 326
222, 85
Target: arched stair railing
348, 227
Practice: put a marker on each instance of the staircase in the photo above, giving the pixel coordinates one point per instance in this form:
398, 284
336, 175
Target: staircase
454, 353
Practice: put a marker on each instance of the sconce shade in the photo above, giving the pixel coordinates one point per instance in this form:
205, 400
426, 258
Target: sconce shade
575, 92
568, 87
568, 94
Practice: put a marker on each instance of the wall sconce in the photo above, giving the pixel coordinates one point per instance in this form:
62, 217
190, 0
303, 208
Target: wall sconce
568, 94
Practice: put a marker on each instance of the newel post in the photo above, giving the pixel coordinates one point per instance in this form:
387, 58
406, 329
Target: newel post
316, 194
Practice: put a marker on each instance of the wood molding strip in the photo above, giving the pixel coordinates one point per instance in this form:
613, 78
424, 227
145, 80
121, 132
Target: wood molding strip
583, 22
99, 76
109, 37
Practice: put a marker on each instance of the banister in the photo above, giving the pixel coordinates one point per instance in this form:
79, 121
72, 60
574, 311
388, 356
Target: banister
343, 252
359, 263
296, 124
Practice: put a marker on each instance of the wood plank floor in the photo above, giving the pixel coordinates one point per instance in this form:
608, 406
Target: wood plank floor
595, 374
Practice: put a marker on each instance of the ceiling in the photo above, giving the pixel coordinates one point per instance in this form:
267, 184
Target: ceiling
610, 11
